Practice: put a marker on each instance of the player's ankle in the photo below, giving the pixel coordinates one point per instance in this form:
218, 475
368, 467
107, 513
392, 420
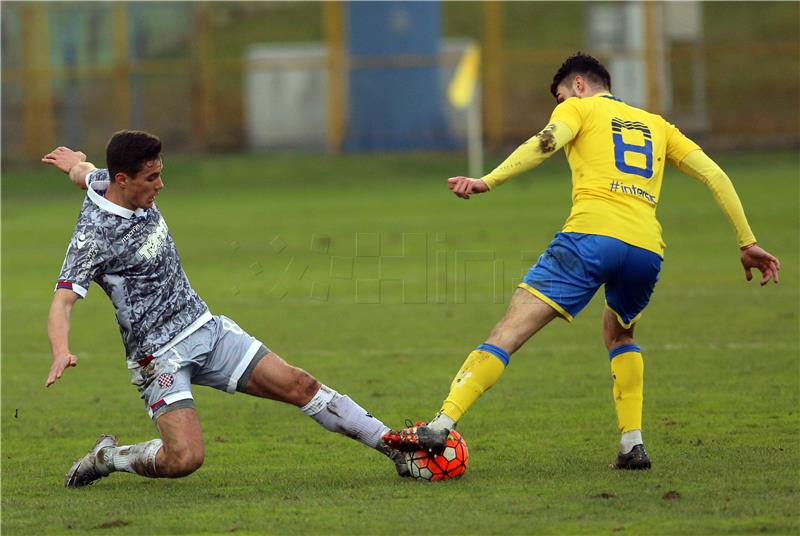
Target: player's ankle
630, 439
441, 422
103, 462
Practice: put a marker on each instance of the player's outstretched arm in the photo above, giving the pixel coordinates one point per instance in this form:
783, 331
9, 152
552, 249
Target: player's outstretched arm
698, 165
527, 156
58, 333
756, 257
73, 163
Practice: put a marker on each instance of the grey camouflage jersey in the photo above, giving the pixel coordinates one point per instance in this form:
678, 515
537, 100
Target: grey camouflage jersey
132, 256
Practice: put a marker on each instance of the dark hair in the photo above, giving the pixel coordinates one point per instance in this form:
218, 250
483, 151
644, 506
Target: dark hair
584, 65
128, 150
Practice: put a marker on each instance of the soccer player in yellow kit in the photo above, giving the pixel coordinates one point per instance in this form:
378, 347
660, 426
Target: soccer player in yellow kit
617, 155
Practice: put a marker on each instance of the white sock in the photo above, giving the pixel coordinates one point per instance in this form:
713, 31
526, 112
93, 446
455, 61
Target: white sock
324, 395
338, 413
139, 458
629, 440
442, 422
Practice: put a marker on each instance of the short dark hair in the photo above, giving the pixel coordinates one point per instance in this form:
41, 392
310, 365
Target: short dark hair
584, 65
128, 150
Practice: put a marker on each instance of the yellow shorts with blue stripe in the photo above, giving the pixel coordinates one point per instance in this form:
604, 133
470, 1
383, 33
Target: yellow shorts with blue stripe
575, 265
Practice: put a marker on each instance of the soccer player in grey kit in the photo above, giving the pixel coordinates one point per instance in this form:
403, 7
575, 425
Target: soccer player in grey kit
171, 339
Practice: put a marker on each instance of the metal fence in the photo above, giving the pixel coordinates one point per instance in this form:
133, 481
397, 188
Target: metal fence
74, 72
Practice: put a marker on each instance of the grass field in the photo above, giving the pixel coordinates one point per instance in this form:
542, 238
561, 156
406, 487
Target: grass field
308, 254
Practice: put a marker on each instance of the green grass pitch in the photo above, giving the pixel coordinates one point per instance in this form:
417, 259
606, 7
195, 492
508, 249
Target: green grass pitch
366, 271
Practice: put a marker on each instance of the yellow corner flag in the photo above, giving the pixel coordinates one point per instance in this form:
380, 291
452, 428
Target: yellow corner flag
462, 86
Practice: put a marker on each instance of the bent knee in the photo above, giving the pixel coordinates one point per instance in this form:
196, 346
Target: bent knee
304, 387
184, 462
190, 463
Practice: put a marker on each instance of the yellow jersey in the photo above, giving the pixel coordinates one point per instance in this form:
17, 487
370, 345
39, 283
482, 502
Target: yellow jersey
617, 157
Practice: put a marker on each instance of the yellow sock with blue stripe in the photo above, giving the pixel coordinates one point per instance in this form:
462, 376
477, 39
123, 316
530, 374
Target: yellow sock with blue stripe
627, 368
482, 368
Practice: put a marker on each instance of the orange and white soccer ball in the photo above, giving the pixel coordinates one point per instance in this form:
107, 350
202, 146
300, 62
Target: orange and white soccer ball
451, 463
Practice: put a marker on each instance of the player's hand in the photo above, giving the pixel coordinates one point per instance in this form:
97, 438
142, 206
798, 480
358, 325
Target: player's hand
60, 364
760, 259
64, 158
463, 187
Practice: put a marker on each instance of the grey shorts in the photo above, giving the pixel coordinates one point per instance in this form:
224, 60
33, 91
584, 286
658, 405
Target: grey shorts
219, 354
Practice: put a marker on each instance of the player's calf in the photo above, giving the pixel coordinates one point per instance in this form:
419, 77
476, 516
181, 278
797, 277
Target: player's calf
340, 414
107, 457
139, 458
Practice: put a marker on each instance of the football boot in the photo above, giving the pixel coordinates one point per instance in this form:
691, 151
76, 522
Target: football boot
417, 437
85, 471
636, 459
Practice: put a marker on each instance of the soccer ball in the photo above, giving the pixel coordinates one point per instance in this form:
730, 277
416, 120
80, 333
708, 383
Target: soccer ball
451, 463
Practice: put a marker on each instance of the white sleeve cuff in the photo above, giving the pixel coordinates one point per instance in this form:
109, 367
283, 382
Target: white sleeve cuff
74, 287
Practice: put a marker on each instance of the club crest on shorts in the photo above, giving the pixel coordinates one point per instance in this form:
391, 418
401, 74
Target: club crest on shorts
166, 380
